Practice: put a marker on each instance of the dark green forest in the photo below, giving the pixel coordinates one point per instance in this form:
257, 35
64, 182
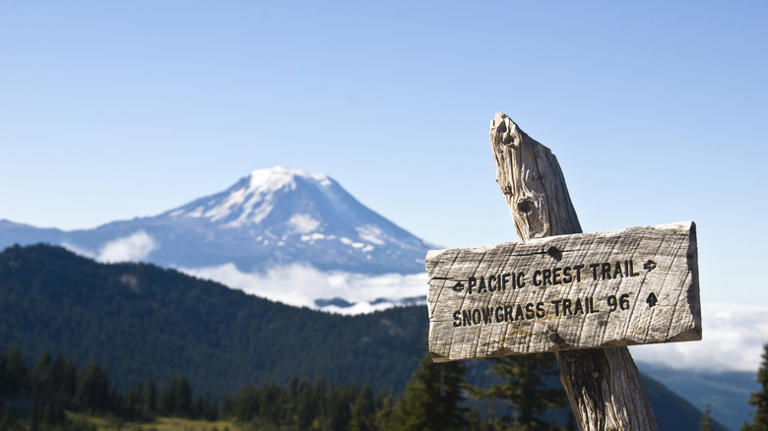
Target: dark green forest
139, 320
142, 322
434, 399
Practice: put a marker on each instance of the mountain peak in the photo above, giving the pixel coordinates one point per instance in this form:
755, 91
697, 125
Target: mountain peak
270, 218
252, 198
275, 178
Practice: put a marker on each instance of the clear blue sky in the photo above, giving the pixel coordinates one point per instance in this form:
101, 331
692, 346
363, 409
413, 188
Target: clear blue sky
656, 111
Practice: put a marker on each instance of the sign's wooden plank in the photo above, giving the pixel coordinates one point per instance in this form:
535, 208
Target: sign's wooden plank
603, 385
634, 286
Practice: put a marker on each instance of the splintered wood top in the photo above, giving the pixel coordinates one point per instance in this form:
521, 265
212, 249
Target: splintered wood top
634, 286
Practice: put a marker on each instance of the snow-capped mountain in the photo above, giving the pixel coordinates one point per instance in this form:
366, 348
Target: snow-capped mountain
272, 218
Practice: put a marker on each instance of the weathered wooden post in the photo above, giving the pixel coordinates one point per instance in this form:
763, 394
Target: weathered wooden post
583, 296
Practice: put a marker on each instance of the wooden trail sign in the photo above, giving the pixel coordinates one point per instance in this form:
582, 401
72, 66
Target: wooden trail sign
635, 286
603, 384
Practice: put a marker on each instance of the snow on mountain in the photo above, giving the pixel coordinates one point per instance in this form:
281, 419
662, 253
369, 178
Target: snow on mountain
280, 216
252, 198
273, 218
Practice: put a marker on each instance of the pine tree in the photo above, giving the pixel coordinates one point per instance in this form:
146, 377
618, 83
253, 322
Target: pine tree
706, 420
759, 399
362, 411
150, 397
93, 391
271, 402
246, 405
177, 398
474, 422
14, 375
44, 408
524, 387
383, 415
9, 389
432, 399
338, 406
183, 398
64, 381
304, 405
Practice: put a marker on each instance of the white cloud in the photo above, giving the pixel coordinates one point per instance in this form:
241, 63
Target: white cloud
732, 339
300, 285
303, 223
134, 247
732, 336
358, 308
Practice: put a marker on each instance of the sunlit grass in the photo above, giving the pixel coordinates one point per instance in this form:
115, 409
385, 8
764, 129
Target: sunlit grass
159, 424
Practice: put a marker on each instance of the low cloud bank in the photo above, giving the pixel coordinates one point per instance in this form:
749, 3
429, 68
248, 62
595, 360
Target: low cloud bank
300, 285
131, 248
733, 338
733, 334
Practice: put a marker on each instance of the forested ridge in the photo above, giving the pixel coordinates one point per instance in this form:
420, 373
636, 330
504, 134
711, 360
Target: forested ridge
139, 321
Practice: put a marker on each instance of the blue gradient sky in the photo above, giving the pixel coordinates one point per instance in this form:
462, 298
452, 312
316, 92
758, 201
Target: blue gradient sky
110, 110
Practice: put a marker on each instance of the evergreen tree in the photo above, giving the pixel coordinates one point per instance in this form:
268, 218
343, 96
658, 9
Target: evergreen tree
41, 382
177, 398
304, 405
93, 391
245, 406
271, 403
45, 409
524, 387
150, 396
13, 375
339, 401
64, 381
363, 410
474, 423
114, 399
212, 413
759, 399
183, 398
432, 399
383, 414
706, 420
200, 407
13, 383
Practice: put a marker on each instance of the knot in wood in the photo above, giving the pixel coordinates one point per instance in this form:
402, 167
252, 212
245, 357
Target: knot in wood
555, 253
525, 205
556, 338
508, 190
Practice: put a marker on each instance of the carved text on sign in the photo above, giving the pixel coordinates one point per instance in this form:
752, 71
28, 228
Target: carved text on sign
635, 286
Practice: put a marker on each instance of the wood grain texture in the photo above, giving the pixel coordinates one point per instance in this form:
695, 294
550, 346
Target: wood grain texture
532, 182
635, 286
604, 390
614, 399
